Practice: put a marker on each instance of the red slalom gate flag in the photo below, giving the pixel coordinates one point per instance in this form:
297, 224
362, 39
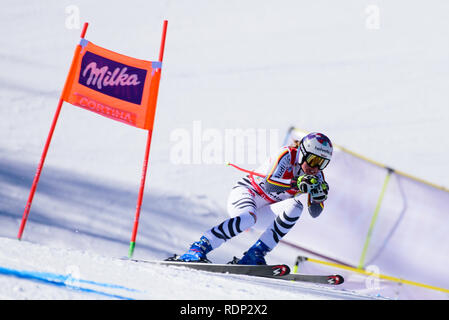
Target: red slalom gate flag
113, 85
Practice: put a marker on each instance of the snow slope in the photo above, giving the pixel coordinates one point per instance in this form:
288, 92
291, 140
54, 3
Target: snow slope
88, 242
228, 65
86, 275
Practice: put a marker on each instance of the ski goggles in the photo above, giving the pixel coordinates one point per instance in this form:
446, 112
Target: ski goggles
316, 161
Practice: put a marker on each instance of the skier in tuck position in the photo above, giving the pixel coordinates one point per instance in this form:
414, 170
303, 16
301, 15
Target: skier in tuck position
271, 202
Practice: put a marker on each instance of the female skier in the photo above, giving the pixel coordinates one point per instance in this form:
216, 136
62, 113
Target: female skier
268, 199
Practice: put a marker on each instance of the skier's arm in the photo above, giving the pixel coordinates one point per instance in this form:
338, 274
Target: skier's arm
315, 208
317, 196
278, 178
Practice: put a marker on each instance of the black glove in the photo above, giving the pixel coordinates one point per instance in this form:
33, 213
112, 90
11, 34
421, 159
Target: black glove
307, 182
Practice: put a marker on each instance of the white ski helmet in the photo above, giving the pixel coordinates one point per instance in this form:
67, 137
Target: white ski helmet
315, 149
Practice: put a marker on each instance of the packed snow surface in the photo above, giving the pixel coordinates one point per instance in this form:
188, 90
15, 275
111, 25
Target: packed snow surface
377, 87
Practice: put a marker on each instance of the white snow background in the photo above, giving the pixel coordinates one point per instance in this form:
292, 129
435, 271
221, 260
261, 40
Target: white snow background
372, 75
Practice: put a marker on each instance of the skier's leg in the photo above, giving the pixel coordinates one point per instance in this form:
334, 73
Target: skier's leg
287, 213
242, 205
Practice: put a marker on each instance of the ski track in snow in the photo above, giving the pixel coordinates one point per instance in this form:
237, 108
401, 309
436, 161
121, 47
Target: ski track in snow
41, 272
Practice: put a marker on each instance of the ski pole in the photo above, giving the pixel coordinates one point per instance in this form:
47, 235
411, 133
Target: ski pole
247, 171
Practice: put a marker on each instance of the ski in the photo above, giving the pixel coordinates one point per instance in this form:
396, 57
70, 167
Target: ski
277, 270
335, 279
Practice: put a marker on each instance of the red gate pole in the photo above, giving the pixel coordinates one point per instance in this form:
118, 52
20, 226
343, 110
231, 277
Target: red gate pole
46, 147
145, 162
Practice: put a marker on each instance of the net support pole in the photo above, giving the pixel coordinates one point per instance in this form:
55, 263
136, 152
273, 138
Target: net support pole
132, 244
374, 219
40, 166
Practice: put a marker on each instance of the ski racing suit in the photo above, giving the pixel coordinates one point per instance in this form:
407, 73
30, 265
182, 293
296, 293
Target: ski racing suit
268, 203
